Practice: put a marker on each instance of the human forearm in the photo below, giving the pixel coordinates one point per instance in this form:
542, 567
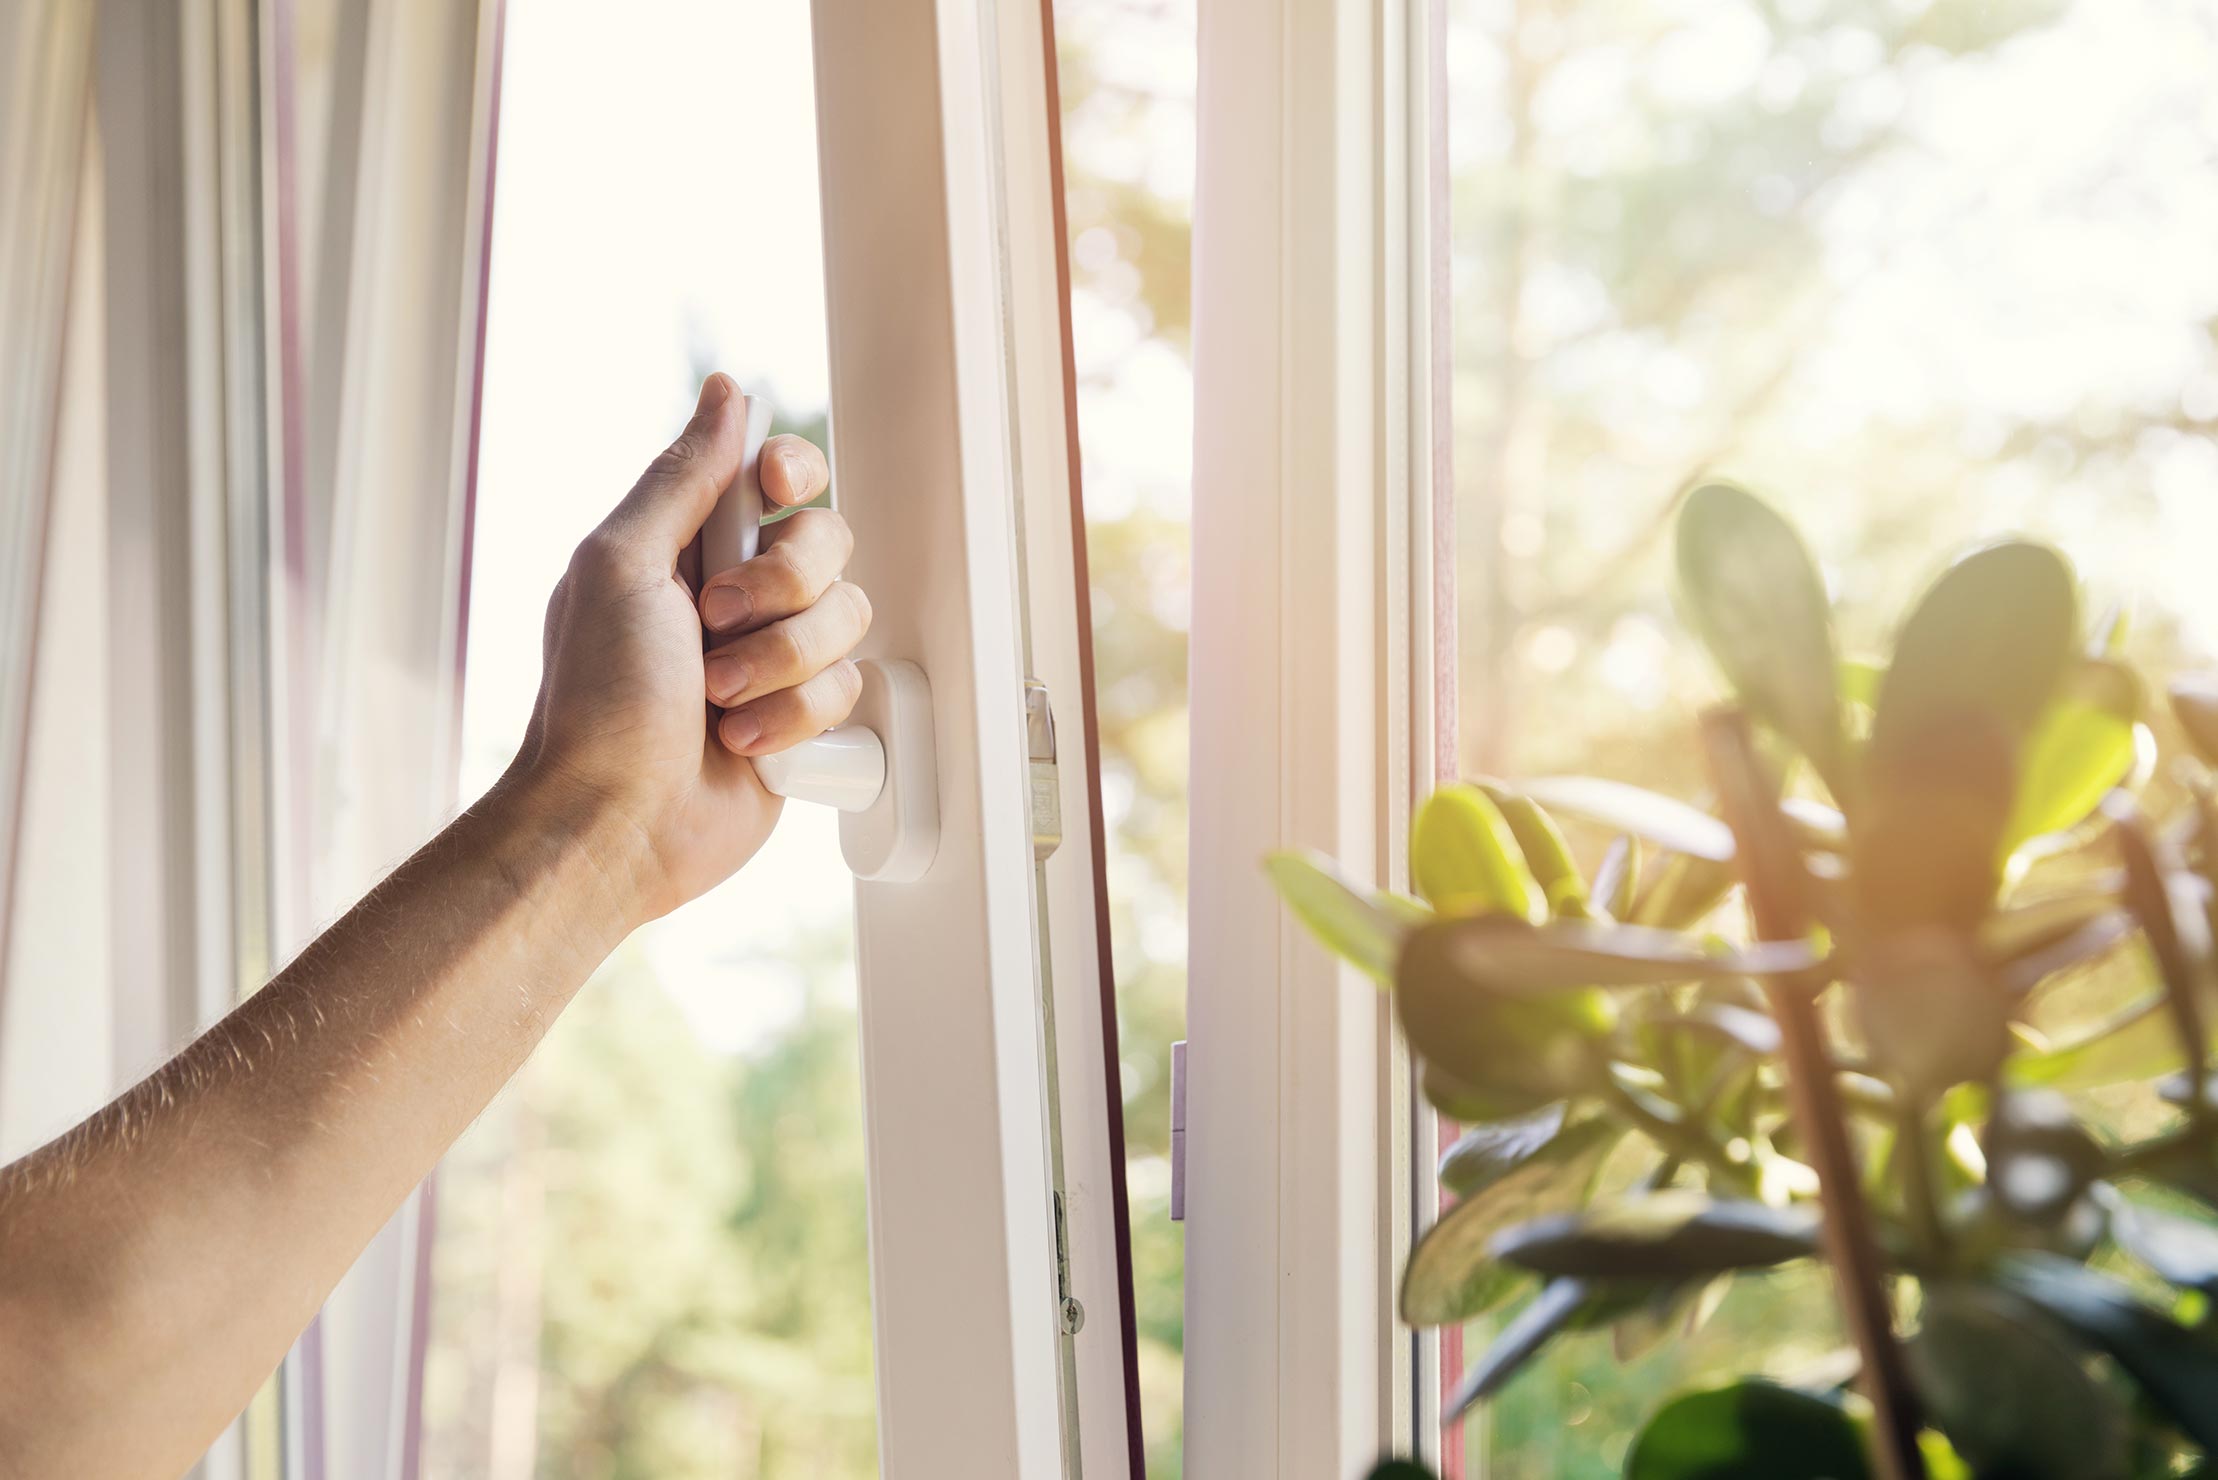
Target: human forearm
170, 1248
156, 1262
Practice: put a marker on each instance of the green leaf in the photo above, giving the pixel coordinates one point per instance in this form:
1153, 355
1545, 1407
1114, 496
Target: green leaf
1617, 881
2010, 1391
1471, 1104
1661, 1314
1674, 1235
1351, 922
1929, 841
1750, 590
1975, 666
1650, 816
1750, 1431
1488, 1152
1992, 638
2026, 930
1547, 856
1744, 1027
1558, 1307
2082, 748
1512, 957
1450, 1277
1932, 1014
1501, 1004
2093, 942
2176, 1367
1463, 857
1682, 892
1517, 1048
2137, 1042
2177, 1249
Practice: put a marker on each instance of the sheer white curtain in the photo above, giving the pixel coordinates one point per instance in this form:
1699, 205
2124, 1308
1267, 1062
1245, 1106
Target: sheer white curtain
234, 523
45, 81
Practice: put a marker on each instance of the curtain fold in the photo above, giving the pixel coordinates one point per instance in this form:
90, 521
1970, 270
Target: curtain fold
45, 89
386, 114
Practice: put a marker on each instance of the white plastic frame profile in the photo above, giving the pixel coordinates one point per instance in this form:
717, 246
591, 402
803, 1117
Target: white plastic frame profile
1312, 694
961, 1238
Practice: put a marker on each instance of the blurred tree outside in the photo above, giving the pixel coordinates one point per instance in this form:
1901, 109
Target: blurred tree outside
1922, 273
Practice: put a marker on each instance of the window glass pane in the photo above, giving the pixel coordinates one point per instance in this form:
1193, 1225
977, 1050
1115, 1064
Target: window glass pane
1127, 74
651, 1255
1920, 272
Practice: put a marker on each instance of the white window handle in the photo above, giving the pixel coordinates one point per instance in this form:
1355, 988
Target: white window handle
879, 770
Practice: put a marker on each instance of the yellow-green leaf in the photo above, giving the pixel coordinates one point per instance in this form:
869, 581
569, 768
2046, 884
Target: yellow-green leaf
1547, 856
2083, 747
1464, 859
1353, 924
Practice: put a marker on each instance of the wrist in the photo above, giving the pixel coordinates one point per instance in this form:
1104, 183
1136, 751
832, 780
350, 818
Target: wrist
574, 852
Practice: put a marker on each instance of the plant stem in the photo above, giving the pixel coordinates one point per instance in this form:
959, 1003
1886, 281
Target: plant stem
1769, 866
1917, 1181
1682, 1141
2150, 900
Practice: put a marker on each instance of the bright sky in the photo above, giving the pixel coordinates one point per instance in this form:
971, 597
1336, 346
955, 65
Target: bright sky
656, 205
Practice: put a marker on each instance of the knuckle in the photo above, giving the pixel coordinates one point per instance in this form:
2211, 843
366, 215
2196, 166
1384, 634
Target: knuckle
599, 558
789, 650
856, 602
681, 453
785, 577
843, 685
832, 527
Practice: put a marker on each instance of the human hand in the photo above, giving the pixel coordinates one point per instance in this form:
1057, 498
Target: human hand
621, 727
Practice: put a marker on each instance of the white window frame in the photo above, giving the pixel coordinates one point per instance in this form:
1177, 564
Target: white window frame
1313, 726
950, 452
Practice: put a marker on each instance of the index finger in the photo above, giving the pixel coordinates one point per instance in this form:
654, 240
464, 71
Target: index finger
793, 470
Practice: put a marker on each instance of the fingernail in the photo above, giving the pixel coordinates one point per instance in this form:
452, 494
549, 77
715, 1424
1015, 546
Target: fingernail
796, 469
726, 676
725, 607
739, 729
715, 391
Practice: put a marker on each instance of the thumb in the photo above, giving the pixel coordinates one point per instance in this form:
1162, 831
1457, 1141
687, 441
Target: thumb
666, 507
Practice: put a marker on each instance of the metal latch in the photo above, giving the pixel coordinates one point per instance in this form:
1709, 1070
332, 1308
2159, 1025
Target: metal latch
1072, 1314
1178, 1131
1047, 786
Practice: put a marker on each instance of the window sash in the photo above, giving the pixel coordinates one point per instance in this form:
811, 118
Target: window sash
1314, 725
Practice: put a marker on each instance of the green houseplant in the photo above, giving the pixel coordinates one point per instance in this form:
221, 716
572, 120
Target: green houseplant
1848, 1007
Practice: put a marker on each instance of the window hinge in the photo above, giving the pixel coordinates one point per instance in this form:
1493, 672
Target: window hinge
1047, 786
1178, 1131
